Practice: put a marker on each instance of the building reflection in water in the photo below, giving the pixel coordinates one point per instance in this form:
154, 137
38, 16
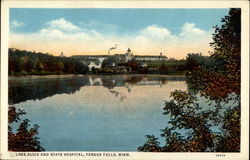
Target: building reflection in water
23, 89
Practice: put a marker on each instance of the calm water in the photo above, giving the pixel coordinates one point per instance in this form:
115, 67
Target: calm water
96, 112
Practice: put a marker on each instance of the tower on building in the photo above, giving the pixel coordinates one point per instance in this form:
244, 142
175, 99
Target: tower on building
62, 55
129, 50
128, 55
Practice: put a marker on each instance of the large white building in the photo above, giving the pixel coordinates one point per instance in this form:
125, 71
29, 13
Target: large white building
128, 56
125, 57
96, 60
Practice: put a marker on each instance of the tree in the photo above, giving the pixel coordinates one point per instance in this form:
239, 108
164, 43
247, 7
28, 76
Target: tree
223, 76
25, 139
194, 60
219, 83
227, 38
152, 145
40, 66
59, 67
230, 139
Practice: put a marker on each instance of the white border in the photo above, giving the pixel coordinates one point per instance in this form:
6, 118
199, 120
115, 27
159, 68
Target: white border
244, 5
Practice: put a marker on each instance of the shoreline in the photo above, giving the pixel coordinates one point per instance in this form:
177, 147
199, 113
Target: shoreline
81, 75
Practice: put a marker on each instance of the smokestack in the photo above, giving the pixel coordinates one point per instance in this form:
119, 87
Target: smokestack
112, 48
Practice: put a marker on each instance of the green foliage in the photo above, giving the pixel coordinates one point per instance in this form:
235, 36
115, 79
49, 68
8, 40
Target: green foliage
104, 70
170, 62
23, 62
194, 60
170, 66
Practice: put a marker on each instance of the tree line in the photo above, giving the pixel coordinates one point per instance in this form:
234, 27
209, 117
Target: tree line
22, 62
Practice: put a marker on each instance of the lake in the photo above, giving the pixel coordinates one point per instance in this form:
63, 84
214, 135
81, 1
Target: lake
94, 112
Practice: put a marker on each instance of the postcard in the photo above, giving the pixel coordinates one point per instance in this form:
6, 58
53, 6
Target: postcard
127, 80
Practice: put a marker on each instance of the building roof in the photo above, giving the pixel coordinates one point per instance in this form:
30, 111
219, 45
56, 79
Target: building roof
136, 56
90, 55
148, 56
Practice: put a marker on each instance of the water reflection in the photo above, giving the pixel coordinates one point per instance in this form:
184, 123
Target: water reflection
33, 88
96, 112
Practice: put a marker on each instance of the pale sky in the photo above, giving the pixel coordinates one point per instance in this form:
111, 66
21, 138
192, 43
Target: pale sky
174, 32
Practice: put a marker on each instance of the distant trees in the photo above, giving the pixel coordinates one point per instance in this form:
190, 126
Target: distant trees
194, 60
171, 66
23, 62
